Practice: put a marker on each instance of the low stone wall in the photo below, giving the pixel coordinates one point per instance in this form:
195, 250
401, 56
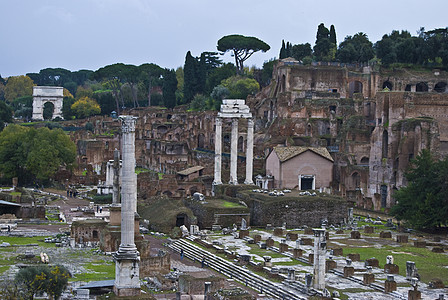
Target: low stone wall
150, 266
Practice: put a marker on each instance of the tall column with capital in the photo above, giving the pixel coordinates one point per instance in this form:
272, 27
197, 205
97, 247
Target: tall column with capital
249, 151
127, 281
218, 151
234, 152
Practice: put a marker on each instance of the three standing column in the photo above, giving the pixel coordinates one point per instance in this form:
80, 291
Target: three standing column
249, 151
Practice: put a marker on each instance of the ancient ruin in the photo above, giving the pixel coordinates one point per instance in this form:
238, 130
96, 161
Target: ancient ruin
47, 94
127, 280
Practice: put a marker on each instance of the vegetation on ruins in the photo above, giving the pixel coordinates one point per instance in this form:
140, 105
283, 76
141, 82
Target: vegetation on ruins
423, 202
85, 107
34, 154
52, 280
243, 47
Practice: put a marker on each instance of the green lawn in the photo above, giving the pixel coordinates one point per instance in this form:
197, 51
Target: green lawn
96, 271
13, 240
430, 265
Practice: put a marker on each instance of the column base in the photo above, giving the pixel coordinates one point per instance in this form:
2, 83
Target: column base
248, 182
233, 182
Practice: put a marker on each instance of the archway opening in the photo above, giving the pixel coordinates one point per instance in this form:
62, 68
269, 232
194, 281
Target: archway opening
48, 111
387, 84
180, 220
440, 87
408, 88
385, 144
355, 87
421, 87
356, 180
201, 140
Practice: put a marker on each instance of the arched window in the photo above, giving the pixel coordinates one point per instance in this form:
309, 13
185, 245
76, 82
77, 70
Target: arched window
440, 87
385, 144
421, 87
387, 84
355, 87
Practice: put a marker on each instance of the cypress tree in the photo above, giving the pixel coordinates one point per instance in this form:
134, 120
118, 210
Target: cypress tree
283, 50
190, 77
169, 88
333, 35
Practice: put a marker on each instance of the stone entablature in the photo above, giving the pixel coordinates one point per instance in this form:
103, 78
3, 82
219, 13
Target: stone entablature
44, 94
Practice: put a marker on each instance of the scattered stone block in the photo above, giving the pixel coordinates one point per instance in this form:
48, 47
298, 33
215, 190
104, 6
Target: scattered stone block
339, 231
337, 251
420, 244
390, 286
269, 242
349, 271
307, 241
354, 256
414, 295
402, 239
385, 234
436, 284
368, 278
355, 234
243, 233
330, 265
436, 239
292, 236
437, 249
283, 247
372, 262
244, 259
369, 229
308, 231
257, 238
311, 258
278, 231
297, 253
391, 269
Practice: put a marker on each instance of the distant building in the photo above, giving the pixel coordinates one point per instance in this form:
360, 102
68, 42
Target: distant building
305, 168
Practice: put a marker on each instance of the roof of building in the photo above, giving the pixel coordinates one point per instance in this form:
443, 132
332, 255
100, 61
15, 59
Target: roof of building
99, 284
3, 202
285, 153
191, 170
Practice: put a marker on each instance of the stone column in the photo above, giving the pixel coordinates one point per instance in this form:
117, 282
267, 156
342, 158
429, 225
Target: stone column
320, 249
234, 152
116, 178
127, 258
218, 151
249, 151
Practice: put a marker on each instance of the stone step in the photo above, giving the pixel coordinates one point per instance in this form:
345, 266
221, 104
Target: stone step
233, 271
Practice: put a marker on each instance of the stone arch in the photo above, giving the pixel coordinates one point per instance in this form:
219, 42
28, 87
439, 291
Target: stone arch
48, 110
181, 219
355, 87
355, 180
408, 88
440, 87
201, 140
283, 84
47, 94
387, 84
421, 87
364, 161
167, 193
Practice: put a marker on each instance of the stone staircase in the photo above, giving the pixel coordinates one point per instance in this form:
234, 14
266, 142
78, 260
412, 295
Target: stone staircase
243, 275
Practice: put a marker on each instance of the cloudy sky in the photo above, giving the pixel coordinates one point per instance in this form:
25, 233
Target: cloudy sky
89, 34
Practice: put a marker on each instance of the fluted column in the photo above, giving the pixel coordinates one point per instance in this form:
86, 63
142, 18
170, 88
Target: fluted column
127, 274
218, 151
234, 152
320, 249
249, 151
129, 182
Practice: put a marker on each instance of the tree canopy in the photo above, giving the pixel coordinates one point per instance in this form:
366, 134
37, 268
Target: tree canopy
423, 203
18, 86
355, 49
242, 46
85, 107
31, 154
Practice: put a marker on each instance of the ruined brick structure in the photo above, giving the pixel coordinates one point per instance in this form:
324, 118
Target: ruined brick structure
372, 122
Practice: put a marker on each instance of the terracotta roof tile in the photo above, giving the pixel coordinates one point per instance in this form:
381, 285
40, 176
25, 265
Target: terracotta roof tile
285, 153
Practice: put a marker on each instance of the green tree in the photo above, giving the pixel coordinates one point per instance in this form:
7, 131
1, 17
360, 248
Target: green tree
324, 49
18, 86
199, 102
282, 54
355, 49
300, 51
52, 280
190, 79
423, 203
5, 114
332, 35
85, 107
169, 88
242, 47
219, 74
240, 87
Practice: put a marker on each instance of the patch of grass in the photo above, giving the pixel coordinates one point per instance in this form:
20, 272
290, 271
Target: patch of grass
228, 204
97, 270
429, 264
14, 240
141, 170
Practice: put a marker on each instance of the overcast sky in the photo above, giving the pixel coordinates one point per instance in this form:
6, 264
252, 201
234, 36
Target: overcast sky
90, 34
